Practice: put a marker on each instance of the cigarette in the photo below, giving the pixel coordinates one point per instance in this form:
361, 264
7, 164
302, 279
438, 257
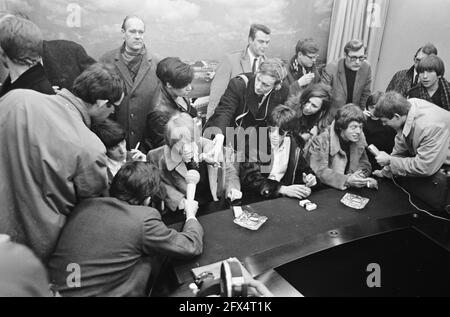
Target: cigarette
368, 184
137, 146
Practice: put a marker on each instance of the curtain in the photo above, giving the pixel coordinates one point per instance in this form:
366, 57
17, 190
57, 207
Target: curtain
358, 19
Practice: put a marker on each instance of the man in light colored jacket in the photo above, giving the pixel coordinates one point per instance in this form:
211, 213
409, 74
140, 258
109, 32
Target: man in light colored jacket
50, 159
422, 145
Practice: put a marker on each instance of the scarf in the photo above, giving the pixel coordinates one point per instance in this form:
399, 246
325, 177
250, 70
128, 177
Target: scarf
297, 69
445, 93
133, 60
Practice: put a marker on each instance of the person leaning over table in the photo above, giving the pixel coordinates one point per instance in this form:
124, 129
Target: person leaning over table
338, 156
118, 242
286, 173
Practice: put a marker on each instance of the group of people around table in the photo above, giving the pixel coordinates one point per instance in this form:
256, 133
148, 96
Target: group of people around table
87, 171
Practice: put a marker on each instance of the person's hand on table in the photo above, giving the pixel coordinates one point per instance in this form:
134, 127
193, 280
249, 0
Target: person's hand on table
356, 180
258, 289
310, 180
383, 159
295, 191
234, 194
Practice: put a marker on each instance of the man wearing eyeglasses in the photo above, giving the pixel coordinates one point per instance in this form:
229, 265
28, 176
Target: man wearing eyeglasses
350, 77
406, 79
302, 70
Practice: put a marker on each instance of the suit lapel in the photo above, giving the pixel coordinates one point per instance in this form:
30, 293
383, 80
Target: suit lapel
123, 69
246, 64
341, 77
143, 70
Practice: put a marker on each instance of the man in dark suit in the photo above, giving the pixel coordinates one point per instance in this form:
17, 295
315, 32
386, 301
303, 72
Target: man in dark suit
406, 79
21, 51
350, 77
116, 242
138, 70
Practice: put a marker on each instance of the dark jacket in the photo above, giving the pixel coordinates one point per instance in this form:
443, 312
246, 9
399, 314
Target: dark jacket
239, 105
64, 61
254, 179
115, 246
141, 95
334, 76
402, 81
34, 79
295, 72
158, 118
421, 92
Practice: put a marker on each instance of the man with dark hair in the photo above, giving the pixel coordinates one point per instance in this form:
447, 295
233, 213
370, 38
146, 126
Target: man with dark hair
406, 79
130, 241
112, 136
302, 70
176, 78
432, 87
137, 67
422, 144
287, 173
64, 61
240, 62
338, 155
21, 51
350, 77
52, 160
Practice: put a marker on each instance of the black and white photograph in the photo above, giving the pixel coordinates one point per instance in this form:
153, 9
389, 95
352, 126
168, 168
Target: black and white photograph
256, 152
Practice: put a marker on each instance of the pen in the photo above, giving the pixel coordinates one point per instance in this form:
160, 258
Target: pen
137, 146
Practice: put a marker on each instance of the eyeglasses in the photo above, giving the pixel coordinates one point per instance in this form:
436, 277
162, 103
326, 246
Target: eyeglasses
355, 58
312, 57
110, 104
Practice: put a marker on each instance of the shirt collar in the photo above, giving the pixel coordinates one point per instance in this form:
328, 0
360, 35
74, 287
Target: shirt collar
251, 55
410, 119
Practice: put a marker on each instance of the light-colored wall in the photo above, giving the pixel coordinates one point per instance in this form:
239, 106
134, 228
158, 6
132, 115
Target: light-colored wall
410, 24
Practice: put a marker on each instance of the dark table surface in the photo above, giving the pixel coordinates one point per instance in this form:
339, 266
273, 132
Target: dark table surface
289, 226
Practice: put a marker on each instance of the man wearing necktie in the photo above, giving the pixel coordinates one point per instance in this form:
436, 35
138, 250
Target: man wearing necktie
406, 79
240, 62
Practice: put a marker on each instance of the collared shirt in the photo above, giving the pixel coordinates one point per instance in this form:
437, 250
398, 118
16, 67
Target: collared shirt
252, 58
280, 160
114, 166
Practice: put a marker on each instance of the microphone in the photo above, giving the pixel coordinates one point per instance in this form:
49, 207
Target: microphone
192, 179
193, 174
